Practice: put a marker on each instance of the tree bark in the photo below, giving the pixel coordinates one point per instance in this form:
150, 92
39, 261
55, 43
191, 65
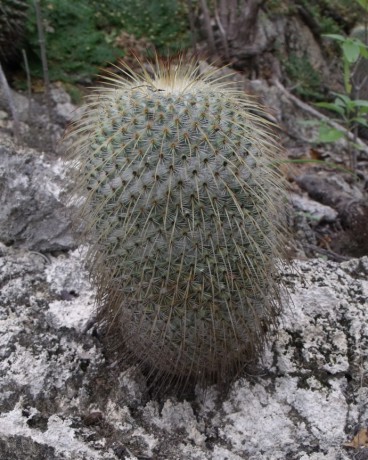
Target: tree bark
192, 25
237, 23
10, 100
208, 27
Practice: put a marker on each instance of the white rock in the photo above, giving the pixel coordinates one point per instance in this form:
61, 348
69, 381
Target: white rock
317, 212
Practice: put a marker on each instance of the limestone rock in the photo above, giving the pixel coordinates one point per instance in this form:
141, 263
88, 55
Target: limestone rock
32, 213
61, 398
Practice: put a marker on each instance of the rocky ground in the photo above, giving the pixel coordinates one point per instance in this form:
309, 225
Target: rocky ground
64, 396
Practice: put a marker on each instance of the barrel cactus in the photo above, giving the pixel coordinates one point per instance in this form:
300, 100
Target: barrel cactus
184, 207
12, 25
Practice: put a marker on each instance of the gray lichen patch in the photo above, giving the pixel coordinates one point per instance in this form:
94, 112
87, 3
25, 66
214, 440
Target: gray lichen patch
32, 213
62, 398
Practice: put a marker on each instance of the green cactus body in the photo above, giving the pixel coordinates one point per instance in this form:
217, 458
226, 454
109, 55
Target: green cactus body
186, 214
12, 25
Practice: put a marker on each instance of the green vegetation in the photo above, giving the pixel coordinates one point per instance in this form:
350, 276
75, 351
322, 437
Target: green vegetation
81, 34
306, 80
329, 16
75, 45
164, 23
352, 112
322, 17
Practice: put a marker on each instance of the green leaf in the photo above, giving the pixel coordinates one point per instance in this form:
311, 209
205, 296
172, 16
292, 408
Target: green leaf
345, 102
361, 103
362, 121
342, 100
363, 4
328, 134
351, 50
362, 111
343, 97
358, 42
331, 106
337, 37
364, 51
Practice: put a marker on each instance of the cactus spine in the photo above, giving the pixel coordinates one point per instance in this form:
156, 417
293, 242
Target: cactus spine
186, 215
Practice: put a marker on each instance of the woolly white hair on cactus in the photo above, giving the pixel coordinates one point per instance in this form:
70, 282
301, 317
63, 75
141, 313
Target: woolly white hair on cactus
185, 209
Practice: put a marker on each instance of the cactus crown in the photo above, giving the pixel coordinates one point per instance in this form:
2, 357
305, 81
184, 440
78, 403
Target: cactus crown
186, 216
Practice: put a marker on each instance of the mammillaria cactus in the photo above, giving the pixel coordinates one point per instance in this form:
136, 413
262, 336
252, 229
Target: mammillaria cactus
185, 210
12, 21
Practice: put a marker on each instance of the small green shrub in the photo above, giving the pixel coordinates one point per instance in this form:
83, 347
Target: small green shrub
302, 74
328, 16
76, 47
163, 22
352, 112
80, 34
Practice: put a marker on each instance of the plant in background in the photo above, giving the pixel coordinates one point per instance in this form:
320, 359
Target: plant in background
330, 16
164, 23
186, 215
351, 109
82, 35
76, 47
323, 16
306, 80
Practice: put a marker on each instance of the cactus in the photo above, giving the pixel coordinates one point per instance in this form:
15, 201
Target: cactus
185, 211
12, 24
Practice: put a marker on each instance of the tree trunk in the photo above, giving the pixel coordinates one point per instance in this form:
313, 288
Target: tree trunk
237, 23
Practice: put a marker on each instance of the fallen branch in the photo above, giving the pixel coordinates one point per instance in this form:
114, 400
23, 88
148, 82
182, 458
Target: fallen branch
328, 253
307, 108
